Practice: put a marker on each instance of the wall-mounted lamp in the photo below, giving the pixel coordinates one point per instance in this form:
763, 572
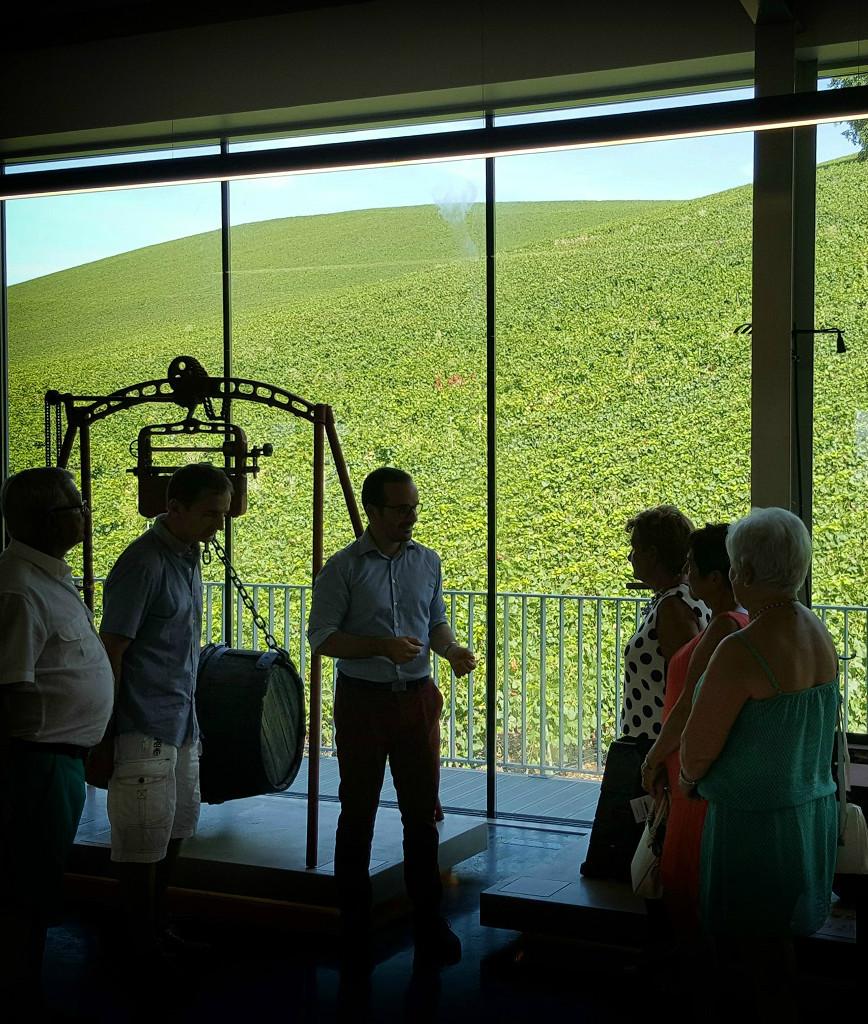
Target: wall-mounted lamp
764, 113
840, 347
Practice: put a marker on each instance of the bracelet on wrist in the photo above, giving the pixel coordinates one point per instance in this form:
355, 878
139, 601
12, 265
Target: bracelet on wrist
448, 647
686, 778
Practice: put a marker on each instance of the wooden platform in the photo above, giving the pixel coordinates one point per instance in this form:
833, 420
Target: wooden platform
254, 850
532, 797
560, 902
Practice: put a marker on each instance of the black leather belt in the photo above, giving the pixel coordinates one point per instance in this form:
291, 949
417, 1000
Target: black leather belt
67, 749
393, 685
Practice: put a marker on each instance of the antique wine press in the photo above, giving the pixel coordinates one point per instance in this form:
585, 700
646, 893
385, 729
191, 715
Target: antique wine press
252, 698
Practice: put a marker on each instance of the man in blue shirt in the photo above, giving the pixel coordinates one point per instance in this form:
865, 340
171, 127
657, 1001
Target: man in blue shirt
152, 628
378, 609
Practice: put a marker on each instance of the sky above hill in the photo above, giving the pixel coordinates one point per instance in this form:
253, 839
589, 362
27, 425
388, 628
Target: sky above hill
55, 233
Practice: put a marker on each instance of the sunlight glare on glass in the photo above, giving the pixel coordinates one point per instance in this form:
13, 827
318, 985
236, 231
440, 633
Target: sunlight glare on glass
106, 159
355, 135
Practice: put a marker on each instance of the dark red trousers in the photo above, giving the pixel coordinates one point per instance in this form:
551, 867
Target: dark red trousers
403, 726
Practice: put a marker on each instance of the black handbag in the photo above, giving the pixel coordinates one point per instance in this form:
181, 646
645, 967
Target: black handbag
616, 833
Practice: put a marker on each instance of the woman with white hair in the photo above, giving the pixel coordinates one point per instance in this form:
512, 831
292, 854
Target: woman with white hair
758, 747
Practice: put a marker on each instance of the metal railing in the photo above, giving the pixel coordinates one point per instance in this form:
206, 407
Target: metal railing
558, 661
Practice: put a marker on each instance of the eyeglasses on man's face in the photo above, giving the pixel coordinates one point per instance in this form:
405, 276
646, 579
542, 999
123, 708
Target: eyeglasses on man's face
81, 507
404, 510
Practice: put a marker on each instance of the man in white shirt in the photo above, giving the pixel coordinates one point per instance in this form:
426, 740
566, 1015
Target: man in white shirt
56, 689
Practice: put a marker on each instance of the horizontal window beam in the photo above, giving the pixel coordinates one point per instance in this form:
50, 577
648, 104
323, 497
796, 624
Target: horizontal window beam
759, 114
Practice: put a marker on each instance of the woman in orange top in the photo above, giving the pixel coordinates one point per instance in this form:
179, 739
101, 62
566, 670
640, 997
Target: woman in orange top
708, 578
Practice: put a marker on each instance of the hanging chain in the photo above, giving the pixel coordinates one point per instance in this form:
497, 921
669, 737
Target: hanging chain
247, 600
48, 458
57, 440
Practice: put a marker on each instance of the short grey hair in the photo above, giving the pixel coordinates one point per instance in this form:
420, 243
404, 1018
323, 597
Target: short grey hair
775, 544
27, 496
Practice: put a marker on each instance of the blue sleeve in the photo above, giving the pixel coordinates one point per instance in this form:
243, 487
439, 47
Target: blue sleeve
128, 593
437, 614
330, 603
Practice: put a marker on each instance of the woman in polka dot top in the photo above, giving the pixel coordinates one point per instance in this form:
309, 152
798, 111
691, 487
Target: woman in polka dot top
658, 551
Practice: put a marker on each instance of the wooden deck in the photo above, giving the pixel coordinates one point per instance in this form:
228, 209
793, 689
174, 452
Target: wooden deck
248, 860
553, 899
463, 790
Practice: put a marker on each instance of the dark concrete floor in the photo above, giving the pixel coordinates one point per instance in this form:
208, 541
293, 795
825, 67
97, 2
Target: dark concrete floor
259, 975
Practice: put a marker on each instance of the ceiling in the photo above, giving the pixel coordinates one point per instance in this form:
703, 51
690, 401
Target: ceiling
55, 23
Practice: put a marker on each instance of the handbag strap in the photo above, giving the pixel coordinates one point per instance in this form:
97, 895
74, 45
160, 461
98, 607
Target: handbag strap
843, 771
658, 816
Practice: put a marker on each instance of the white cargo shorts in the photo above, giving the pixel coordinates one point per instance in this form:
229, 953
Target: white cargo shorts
153, 796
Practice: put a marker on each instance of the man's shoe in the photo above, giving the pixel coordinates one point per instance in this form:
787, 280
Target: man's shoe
436, 943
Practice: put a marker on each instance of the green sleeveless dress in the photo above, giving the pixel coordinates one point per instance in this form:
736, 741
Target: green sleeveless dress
770, 839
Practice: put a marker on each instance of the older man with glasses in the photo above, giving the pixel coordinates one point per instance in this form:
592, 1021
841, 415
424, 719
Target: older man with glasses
56, 690
378, 609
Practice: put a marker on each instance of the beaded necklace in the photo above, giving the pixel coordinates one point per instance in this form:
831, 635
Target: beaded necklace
768, 607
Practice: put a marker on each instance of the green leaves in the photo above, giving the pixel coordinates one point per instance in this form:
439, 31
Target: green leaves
619, 381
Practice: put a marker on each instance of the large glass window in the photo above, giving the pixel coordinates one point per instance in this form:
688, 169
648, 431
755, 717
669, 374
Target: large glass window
365, 290
840, 456
105, 289
622, 274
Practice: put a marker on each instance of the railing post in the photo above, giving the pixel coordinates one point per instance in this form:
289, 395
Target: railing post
580, 683
543, 730
470, 715
599, 611
618, 676
561, 682
209, 610
315, 730
846, 708
524, 679
506, 695
453, 728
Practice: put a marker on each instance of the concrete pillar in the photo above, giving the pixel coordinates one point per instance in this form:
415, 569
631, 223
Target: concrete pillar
773, 264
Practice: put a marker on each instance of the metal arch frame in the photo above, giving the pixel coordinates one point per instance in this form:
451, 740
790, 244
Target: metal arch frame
81, 416
165, 390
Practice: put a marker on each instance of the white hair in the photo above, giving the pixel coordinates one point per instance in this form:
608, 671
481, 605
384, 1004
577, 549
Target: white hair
775, 544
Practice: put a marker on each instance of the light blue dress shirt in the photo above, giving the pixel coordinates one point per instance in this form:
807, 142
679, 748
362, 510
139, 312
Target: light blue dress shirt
153, 596
363, 592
